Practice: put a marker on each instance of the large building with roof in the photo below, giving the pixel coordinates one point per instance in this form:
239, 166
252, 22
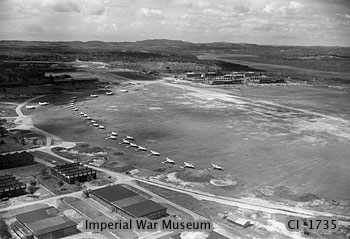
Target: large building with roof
13, 160
43, 223
127, 203
72, 172
11, 187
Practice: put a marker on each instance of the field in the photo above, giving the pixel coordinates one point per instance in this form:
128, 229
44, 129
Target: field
134, 75
284, 66
296, 152
24, 174
215, 212
7, 109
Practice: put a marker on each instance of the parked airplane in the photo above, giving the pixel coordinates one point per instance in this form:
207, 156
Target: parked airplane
141, 148
43, 103
111, 137
73, 97
89, 118
155, 153
93, 121
94, 96
215, 166
187, 165
114, 133
101, 127
132, 145
129, 137
32, 107
95, 124
75, 109
109, 93
85, 115
123, 91
82, 113
125, 141
168, 160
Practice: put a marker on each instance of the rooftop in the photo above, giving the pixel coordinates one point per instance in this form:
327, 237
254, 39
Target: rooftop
44, 220
113, 193
131, 202
143, 208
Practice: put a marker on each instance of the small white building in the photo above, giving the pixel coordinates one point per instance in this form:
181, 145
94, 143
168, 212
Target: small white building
238, 221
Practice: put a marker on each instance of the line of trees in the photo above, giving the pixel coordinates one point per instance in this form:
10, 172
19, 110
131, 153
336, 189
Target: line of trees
4, 232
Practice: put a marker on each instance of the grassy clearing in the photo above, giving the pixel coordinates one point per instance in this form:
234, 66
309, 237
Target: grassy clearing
251, 141
52, 184
134, 75
7, 110
49, 158
26, 173
82, 207
13, 142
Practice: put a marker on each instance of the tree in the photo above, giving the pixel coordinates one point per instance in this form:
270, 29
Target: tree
3, 121
60, 183
44, 171
89, 178
32, 183
15, 139
23, 142
31, 188
85, 194
35, 141
4, 232
3, 131
77, 182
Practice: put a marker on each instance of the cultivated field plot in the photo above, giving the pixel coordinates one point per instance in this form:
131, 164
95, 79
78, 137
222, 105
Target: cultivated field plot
263, 146
133, 75
7, 109
312, 68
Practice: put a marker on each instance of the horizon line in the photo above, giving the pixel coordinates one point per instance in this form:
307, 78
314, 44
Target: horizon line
184, 41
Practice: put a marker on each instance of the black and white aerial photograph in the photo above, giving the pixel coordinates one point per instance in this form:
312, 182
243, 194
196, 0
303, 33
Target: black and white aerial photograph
175, 119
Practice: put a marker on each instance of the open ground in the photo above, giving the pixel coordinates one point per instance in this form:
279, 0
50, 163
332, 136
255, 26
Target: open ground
270, 147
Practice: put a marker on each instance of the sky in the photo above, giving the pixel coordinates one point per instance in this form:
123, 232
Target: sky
272, 22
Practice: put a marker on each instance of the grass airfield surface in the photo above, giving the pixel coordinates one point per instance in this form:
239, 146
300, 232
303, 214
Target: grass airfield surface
264, 147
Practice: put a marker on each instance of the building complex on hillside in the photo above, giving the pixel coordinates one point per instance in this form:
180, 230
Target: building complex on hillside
127, 202
214, 78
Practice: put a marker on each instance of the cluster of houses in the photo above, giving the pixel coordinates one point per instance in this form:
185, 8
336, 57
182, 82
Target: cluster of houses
214, 78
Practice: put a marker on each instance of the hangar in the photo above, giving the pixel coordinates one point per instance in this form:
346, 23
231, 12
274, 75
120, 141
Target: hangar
72, 172
11, 187
127, 202
14, 160
43, 223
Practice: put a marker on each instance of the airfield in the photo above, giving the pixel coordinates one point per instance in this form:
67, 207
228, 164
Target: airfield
282, 143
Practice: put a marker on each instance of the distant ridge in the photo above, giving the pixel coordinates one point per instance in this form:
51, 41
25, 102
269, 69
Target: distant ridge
157, 43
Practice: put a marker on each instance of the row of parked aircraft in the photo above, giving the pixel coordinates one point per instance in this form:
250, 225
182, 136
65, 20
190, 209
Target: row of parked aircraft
32, 107
129, 140
108, 93
82, 114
